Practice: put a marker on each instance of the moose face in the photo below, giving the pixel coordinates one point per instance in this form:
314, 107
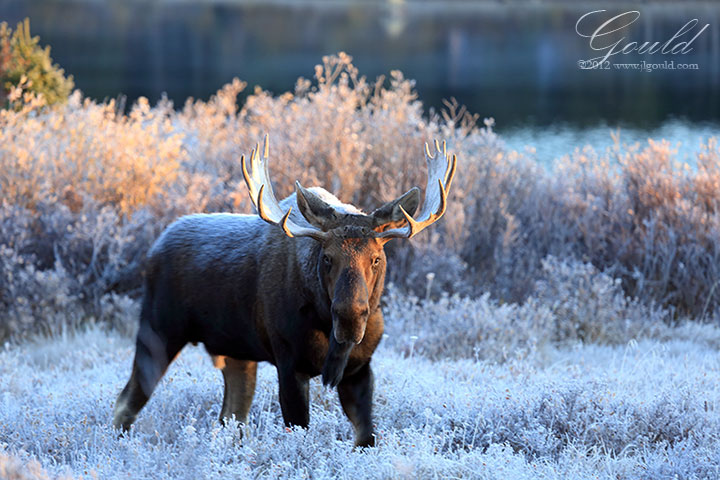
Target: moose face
352, 272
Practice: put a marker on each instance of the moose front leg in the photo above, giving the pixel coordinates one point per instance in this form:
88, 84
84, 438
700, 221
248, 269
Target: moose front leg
355, 394
294, 396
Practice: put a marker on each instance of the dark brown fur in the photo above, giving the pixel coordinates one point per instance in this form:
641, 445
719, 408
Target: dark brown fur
250, 293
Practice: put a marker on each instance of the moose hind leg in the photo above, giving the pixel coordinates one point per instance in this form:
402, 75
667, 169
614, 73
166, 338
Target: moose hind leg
355, 394
239, 376
152, 357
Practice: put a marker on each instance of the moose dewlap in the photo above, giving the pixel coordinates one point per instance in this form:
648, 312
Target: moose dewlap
297, 285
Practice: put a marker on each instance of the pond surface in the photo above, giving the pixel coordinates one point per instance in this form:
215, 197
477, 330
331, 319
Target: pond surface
514, 61
547, 144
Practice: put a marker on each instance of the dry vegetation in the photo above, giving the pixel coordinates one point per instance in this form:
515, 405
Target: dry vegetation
529, 334
86, 189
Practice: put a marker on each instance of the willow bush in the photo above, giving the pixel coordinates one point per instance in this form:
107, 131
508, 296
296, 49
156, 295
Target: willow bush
86, 188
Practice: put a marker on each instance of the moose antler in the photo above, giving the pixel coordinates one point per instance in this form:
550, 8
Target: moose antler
263, 197
441, 170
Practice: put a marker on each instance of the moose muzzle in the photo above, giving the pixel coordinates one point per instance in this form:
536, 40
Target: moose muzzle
350, 307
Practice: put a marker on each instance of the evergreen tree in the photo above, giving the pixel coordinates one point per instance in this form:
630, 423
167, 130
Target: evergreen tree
24, 61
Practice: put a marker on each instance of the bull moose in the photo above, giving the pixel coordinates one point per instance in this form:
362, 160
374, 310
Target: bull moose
297, 287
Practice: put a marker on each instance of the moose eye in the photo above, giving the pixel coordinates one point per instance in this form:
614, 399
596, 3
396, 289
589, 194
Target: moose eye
327, 261
376, 261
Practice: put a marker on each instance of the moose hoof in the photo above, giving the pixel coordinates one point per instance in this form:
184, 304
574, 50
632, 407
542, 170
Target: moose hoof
123, 422
123, 430
365, 442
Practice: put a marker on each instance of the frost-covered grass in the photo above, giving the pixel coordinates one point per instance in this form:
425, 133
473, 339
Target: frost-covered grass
644, 408
546, 368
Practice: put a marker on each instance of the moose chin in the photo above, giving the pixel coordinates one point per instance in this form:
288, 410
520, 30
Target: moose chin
297, 285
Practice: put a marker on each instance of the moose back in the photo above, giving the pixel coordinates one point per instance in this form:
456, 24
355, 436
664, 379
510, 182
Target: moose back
297, 285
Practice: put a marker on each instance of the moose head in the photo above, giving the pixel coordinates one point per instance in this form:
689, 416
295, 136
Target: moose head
351, 259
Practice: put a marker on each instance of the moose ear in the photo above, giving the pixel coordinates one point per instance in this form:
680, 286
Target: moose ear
389, 215
315, 210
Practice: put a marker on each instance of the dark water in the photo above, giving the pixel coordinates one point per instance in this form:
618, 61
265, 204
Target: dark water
514, 61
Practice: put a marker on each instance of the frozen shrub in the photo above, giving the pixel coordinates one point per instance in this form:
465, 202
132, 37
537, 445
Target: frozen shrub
34, 300
86, 189
572, 302
460, 327
428, 272
120, 313
12, 468
500, 194
84, 151
61, 269
647, 220
589, 305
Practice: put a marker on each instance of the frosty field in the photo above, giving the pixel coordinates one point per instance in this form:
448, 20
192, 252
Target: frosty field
559, 323
646, 408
